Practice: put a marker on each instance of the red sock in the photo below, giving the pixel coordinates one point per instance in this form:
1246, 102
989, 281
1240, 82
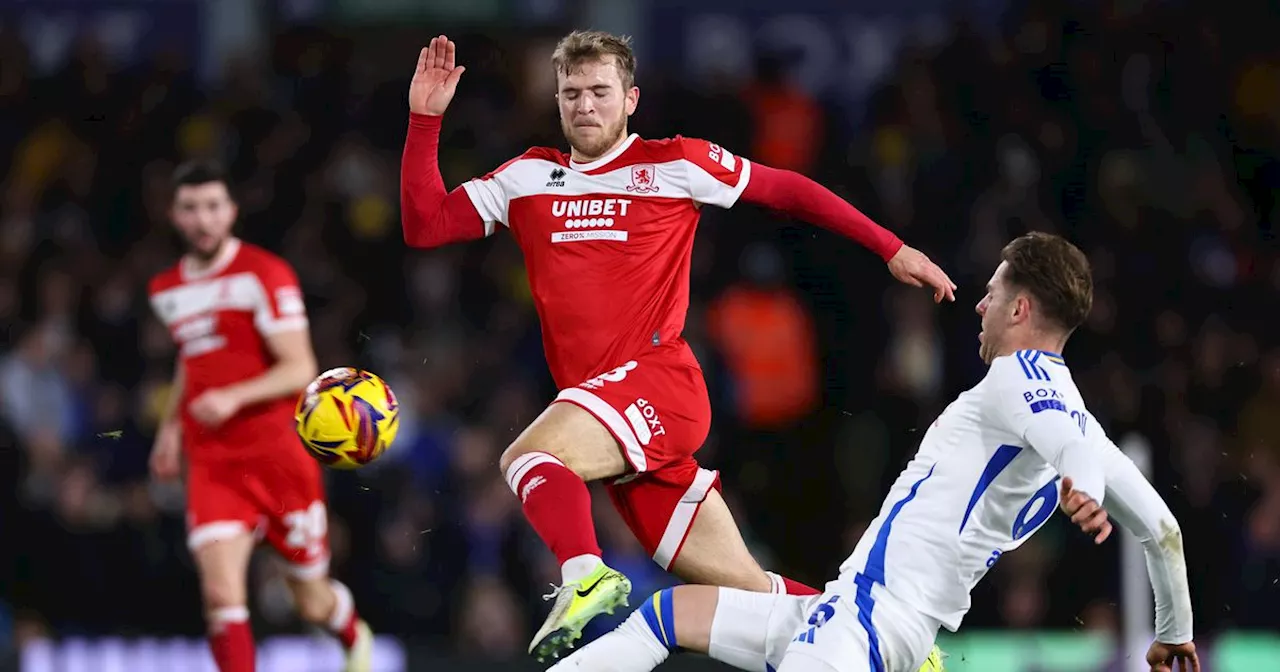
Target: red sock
344, 619
556, 503
231, 639
784, 586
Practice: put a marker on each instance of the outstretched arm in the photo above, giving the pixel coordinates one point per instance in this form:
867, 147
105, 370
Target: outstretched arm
797, 196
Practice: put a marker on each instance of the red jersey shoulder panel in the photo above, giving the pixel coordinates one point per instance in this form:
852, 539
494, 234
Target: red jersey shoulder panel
283, 307
541, 153
270, 267
713, 160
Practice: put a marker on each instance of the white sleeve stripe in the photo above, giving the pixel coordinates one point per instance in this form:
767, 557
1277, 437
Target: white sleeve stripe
743, 179
486, 202
280, 326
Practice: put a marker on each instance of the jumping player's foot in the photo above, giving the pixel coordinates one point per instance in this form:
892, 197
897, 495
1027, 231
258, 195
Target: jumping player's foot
360, 655
576, 603
934, 662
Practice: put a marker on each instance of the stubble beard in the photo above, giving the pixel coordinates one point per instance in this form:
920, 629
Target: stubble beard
595, 148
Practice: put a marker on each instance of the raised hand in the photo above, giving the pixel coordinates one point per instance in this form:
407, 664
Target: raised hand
912, 267
1085, 512
436, 78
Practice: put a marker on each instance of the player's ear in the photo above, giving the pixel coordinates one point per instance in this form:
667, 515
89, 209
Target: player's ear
1020, 308
633, 100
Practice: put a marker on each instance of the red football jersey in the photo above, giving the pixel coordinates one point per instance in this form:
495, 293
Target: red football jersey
219, 318
607, 244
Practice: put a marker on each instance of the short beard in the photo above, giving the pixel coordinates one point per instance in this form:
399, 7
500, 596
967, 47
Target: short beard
595, 149
206, 257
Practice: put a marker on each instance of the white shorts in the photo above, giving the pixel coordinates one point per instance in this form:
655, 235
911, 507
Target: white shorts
843, 630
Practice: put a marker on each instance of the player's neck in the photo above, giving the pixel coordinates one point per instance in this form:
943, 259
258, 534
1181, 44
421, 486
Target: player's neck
1052, 343
197, 264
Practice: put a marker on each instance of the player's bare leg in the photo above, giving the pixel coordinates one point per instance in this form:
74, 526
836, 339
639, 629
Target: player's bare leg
328, 604
548, 467
223, 565
715, 554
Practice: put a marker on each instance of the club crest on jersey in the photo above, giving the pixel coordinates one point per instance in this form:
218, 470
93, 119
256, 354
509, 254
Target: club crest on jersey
642, 179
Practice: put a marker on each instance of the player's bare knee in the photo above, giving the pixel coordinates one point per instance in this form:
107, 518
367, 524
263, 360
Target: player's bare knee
220, 594
517, 450
224, 566
572, 436
314, 600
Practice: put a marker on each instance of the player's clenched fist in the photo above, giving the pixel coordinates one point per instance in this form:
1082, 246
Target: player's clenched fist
1173, 657
436, 77
1085, 512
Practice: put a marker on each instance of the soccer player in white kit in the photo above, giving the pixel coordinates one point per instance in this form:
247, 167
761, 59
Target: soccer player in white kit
989, 473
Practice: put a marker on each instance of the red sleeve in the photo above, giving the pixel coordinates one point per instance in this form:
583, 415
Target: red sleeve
281, 306
797, 196
429, 215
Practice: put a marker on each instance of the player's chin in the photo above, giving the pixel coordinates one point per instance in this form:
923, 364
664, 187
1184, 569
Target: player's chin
587, 136
206, 246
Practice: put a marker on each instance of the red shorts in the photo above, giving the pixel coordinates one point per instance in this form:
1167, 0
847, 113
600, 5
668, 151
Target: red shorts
281, 501
656, 407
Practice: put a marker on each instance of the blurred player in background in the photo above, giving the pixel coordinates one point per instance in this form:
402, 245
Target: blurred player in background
986, 477
607, 231
236, 313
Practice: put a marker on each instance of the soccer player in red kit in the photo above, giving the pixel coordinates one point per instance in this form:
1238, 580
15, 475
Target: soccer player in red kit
244, 353
607, 231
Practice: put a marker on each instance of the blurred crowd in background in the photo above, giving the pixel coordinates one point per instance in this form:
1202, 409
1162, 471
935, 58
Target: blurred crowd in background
1150, 137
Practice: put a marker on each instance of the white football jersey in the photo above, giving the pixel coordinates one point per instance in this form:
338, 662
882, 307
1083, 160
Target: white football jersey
987, 476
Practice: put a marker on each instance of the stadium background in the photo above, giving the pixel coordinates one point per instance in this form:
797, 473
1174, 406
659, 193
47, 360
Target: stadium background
1148, 132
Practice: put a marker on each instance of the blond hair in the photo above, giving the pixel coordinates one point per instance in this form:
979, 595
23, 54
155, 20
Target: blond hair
588, 46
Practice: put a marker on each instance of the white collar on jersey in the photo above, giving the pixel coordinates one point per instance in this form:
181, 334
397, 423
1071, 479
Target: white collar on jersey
592, 165
225, 256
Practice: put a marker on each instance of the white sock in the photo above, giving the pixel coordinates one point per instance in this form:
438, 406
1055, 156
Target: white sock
740, 628
635, 646
579, 567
